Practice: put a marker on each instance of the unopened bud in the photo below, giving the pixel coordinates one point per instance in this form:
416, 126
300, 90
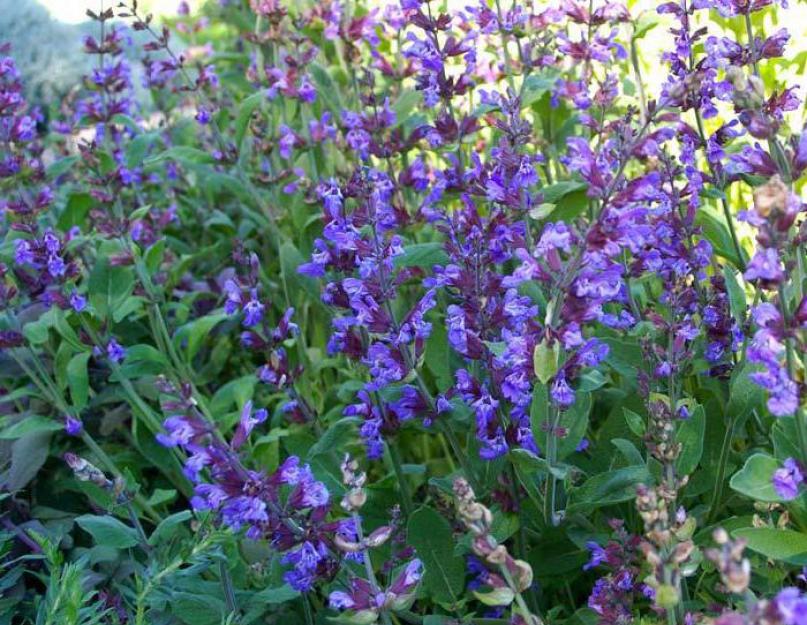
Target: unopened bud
498, 555
523, 575
738, 577
497, 597
346, 545
354, 500
86, 471
771, 196
379, 536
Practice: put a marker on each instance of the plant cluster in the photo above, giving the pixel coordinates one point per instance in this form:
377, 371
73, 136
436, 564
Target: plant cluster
411, 313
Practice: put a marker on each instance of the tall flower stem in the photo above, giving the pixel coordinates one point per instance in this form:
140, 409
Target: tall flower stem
368, 565
735, 241
800, 417
717, 493
550, 499
406, 496
309, 615
521, 536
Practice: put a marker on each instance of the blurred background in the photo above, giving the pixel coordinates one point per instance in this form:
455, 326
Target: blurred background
46, 38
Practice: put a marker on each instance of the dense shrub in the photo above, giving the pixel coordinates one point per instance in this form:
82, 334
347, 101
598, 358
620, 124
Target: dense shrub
407, 314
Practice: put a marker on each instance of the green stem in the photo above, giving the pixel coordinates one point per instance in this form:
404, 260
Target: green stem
309, 615
521, 537
445, 428
550, 498
717, 493
522, 605
229, 590
634, 58
135, 521
397, 465
801, 418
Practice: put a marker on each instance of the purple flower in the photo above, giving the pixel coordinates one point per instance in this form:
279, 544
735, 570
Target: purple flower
203, 116
598, 555
72, 425
249, 420
787, 479
115, 351
253, 310
791, 605
78, 301
766, 267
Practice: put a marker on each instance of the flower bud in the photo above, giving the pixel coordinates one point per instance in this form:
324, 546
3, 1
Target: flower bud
498, 555
523, 575
345, 545
497, 597
666, 596
379, 536
86, 471
771, 196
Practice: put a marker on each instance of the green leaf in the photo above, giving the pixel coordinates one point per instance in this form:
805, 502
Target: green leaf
608, 488
438, 356
536, 465
647, 21
161, 496
327, 89
545, 361
744, 393
575, 420
278, 595
715, 229
337, 435
37, 332
193, 334
690, 435
290, 260
248, 106
423, 255
737, 301
78, 379
555, 192
108, 531
75, 211
169, 527
28, 424
138, 147
142, 360
635, 422
28, 455
404, 105
628, 450
777, 544
109, 286
184, 154
197, 608
444, 571
235, 393
61, 166
754, 479
536, 86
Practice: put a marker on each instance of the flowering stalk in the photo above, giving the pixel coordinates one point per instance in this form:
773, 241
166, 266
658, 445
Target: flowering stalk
515, 575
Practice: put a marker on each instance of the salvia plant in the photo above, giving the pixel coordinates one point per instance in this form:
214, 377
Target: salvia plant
489, 312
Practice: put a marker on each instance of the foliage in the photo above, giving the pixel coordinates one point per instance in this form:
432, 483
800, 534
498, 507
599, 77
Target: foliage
407, 314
